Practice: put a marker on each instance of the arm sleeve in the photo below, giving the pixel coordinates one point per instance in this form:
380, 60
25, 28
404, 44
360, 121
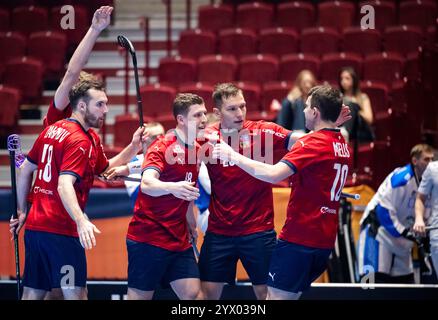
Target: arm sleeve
387, 210
53, 114
302, 154
426, 183
155, 158
280, 136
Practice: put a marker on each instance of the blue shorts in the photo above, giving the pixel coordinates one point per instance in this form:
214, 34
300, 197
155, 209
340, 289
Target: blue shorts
219, 256
149, 266
53, 261
294, 267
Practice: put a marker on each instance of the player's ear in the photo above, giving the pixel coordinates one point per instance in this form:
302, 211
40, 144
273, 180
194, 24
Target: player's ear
82, 106
180, 119
217, 112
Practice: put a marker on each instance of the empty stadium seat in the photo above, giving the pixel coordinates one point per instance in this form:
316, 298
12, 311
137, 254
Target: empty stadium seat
237, 41
82, 23
336, 14
422, 13
362, 41
384, 13
258, 68
403, 39
27, 19
251, 92
332, 63
25, 74
378, 94
297, 14
203, 90
215, 17
157, 99
320, 40
292, 64
50, 47
176, 70
195, 43
217, 68
4, 20
124, 127
384, 67
278, 41
412, 66
15, 43
254, 15
277, 90
9, 106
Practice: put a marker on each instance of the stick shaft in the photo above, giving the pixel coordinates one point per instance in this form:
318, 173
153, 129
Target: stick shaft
137, 88
354, 196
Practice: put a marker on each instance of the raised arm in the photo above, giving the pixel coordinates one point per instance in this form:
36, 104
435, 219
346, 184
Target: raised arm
262, 171
101, 20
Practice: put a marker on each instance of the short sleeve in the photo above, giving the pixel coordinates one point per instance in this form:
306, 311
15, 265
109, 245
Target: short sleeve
54, 114
280, 135
154, 158
75, 158
33, 154
302, 155
426, 181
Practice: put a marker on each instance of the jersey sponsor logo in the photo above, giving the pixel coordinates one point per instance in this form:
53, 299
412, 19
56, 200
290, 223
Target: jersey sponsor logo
302, 143
56, 133
270, 131
327, 210
37, 189
82, 149
341, 150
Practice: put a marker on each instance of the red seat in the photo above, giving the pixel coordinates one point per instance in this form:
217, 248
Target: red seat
195, 43
431, 35
203, 90
292, 64
251, 93
399, 97
217, 68
258, 68
82, 23
9, 107
237, 42
275, 90
157, 99
25, 74
278, 41
29, 19
422, 13
215, 17
16, 3
176, 70
336, 14
378, 94
384, 13
297, 14
4, 20
320, 40
403, 39
385, 67
15, 43
332, 63
50, 47
362, 41
254, 15
412, 66
124, 127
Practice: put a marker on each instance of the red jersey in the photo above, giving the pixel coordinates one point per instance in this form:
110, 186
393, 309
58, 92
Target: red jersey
321, 161
241, 204
54, 114
62, 148
161, 221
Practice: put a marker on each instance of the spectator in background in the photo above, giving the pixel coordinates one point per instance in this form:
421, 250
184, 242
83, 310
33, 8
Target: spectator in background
291, 115
359, 127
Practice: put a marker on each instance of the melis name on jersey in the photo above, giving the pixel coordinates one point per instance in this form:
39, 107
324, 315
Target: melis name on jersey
341, 150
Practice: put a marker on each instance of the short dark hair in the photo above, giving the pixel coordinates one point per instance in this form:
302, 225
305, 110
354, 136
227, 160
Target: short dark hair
328, 100
80, 89
418, 149
183, 101
224, 91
